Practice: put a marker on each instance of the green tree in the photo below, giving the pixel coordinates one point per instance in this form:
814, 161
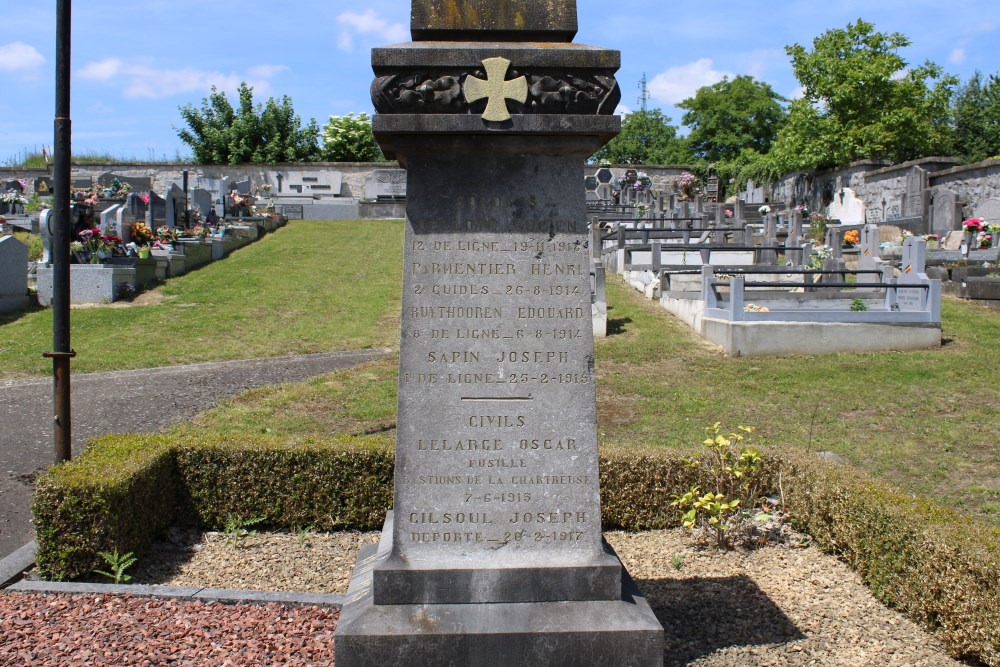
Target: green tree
976, 114
349, 139
647, 137
218, 133
730, 116
862, 101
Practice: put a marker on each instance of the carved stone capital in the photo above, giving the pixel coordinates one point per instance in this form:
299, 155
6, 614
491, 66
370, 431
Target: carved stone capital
550, 91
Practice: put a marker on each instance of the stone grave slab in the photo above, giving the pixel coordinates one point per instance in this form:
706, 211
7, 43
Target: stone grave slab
846, 207
946, 214
989, 211
13, 274
386, 184
912, 269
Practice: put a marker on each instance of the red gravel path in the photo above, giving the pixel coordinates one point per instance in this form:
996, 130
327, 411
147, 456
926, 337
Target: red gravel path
71, 631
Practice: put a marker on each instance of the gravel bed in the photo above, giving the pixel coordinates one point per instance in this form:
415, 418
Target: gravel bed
774, 606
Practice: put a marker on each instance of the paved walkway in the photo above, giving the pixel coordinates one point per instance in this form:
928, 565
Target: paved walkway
139, 401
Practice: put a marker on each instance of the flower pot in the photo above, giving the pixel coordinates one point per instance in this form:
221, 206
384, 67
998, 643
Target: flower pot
144, 252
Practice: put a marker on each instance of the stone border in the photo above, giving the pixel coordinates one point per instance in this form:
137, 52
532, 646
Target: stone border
13, 567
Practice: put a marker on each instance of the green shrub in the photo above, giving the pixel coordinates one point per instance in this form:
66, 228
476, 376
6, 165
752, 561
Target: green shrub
112, 497
328, 484
938, 566
935, 564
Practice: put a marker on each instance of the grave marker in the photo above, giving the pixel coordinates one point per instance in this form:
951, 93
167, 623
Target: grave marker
13, 274
946, 214
386, 184
847, 208
493, 553
912, 270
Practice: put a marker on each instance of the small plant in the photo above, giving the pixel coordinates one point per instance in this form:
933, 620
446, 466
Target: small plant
677, 561
304, 533
238, 530
858, 306
118, 563
127, 291
733, 473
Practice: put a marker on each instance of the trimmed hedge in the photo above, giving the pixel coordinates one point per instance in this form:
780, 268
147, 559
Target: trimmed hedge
330, 484
115, 495
939, 566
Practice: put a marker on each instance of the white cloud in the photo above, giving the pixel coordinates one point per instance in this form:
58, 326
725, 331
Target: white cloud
102, 70
957, 56
20, 57
267, 71
141, 81
368, 23
679, 83
622, 110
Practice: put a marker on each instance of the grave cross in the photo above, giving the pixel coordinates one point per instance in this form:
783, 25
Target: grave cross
496, 90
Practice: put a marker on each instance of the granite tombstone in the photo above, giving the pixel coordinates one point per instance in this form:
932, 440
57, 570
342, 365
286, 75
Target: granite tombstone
493, 553
13, 274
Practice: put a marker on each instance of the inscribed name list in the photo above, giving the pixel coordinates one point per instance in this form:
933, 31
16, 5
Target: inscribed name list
497, 442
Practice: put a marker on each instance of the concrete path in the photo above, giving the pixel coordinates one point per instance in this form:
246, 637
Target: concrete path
139, 401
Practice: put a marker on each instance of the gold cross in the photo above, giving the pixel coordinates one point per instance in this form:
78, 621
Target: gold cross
496, 90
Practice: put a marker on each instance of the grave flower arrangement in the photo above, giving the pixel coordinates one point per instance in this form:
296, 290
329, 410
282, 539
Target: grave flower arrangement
903, 235
852, 238
819, 255
141, 234
92, 246
974, 225
985, 240
166, 235
688, 185
764, 210
729, 212
932, 237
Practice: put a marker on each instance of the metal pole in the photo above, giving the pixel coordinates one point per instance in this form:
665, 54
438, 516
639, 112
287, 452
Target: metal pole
62, 352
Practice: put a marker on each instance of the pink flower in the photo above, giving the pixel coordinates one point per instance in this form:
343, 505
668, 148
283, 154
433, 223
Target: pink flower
145, 198
973, 225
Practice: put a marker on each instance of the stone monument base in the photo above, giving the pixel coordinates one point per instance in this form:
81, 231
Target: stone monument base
605, 632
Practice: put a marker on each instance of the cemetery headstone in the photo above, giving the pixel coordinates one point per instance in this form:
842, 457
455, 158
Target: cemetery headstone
754, 194
868, 248
45, 220
202, 200
83, 183
493, 553
174, 205
989, 211
13, 274
913, 197
43, 186
847, 208
386, 184
109, 221
912, 268
946, 214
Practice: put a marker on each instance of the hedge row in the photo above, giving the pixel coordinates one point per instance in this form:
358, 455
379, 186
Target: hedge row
935, 564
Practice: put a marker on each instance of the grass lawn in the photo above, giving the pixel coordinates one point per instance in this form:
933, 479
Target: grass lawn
925, 420
309, 287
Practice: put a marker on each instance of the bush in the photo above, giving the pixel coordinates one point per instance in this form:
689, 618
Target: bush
330, 484
113, 496
933, 563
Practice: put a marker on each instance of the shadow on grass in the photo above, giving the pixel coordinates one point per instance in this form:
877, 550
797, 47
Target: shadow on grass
10, 318
616, 325
703, 615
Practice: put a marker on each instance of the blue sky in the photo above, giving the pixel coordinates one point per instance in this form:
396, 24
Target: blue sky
135, 63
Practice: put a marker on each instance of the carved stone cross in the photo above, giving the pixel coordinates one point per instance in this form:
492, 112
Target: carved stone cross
496, 90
